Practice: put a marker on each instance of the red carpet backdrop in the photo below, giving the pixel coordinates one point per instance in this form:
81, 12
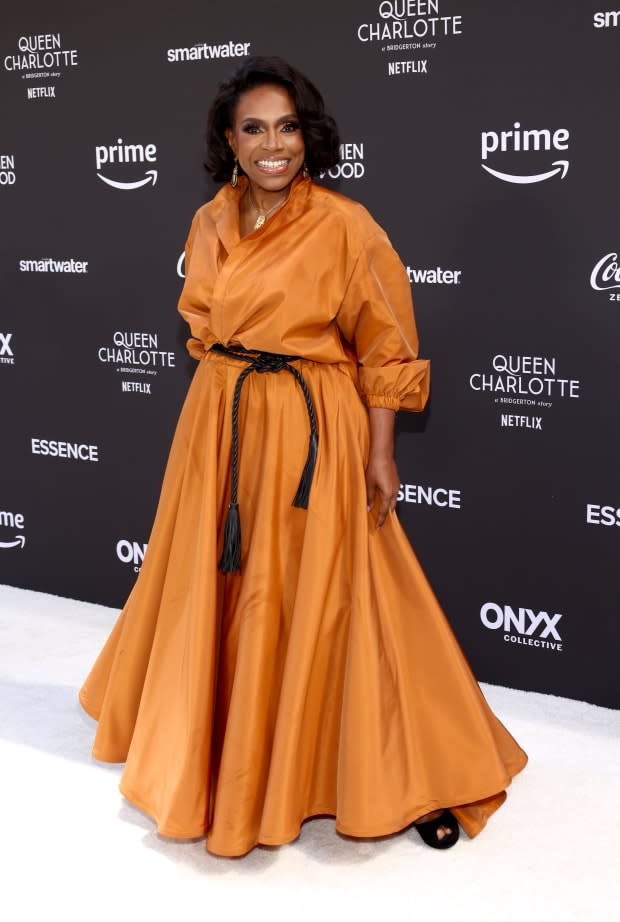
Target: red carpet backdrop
483, 136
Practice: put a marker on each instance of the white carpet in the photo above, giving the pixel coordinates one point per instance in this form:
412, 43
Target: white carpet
71, 848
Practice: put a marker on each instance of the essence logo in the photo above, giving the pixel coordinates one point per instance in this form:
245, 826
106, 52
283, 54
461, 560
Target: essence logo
429, 496
126, 153
606, 276
519, 140
13, 520
523, 626
70, 451
6, 353
131, 552
602, 515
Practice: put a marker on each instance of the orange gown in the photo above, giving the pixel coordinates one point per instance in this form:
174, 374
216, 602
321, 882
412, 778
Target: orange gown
323, 678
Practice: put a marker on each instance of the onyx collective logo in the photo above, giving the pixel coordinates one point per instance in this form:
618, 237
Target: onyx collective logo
14, 521
116, 157
409, 32
529, 382
523, 626
131, 552
7, 356
518, 141
41, 60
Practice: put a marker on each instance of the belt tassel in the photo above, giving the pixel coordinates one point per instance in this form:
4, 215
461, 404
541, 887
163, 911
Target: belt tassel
261, 362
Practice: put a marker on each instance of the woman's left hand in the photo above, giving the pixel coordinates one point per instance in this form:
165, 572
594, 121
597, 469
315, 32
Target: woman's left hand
382, 484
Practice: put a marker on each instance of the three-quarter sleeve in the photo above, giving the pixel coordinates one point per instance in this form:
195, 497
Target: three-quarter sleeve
376, 317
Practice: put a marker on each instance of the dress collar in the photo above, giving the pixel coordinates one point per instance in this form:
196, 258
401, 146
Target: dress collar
226, 211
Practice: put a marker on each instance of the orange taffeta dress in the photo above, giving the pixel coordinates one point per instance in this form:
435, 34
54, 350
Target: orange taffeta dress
323, 677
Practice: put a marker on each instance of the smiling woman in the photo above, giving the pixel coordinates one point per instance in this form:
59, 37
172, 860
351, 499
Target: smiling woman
282, 654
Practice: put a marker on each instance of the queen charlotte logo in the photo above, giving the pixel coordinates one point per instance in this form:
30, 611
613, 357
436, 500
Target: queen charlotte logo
40, 57
529, 382
409, 26
137, 354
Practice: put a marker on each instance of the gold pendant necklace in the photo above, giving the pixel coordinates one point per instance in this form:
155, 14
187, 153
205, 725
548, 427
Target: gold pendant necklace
262, 217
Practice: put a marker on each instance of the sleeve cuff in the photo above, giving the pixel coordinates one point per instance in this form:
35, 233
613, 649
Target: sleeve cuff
382, 400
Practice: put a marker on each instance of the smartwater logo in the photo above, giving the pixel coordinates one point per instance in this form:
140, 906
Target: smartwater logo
70, 266
205, 52
6, 352
121, 153
606, 275
524, 626
131, 552
519, 140
436, 276
14, 521
609, 20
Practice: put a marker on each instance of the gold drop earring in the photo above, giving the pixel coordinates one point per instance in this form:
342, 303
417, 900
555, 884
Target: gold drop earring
305, 172
235, 174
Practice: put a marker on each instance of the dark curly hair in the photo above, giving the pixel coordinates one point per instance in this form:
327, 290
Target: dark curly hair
319, 129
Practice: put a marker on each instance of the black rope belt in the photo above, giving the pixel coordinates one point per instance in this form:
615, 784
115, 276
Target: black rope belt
261, 362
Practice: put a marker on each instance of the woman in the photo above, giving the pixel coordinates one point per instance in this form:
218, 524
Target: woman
313, 671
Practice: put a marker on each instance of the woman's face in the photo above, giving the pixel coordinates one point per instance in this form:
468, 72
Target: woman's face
266, 137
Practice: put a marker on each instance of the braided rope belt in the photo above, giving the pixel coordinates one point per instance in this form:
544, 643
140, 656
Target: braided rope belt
260, 362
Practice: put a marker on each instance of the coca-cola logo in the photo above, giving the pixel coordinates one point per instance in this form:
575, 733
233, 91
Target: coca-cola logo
606, 273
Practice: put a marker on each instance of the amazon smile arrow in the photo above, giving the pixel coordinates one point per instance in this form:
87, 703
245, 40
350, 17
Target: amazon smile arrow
151, 176
560, 165
19, 540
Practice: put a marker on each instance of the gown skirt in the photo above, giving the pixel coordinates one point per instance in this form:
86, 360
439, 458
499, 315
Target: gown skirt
323, 678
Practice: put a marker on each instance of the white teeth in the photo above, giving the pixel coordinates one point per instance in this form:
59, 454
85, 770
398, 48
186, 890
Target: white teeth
271, 164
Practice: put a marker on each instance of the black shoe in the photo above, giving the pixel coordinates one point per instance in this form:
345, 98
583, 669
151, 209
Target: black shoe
428, 831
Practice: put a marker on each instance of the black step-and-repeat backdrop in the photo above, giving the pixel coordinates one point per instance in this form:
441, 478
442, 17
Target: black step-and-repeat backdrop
483, 135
